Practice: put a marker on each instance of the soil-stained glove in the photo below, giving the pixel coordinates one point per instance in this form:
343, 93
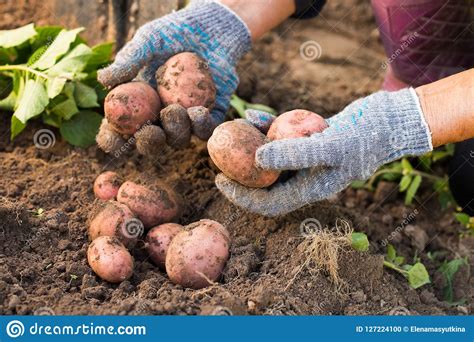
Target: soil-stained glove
368, 133
207, 28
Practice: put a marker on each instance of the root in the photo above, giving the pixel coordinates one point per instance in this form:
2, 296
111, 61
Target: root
321, 251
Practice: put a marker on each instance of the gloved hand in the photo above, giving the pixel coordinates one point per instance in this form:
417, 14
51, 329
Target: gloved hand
368, 133
207, 28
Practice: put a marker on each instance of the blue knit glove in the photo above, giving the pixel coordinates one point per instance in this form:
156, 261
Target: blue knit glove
367, 134
207, 28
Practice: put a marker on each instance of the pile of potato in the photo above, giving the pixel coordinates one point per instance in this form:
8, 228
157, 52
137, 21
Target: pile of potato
193, 256
133, 111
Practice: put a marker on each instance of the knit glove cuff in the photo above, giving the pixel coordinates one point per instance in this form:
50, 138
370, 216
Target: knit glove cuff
220, 28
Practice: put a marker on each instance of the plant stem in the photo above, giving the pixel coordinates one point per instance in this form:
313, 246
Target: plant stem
22, 67
426, 175
413, 172
394, 267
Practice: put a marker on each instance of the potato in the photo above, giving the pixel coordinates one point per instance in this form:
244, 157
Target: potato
198, 255
158, 240
109, 259
106, 185
297, 123
153, 205
177, 125
150, 140
185, 79
232, 148
108, 139
115, 219
130, 105
201, 122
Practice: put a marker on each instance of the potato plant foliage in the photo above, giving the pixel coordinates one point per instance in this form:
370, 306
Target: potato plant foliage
49, 73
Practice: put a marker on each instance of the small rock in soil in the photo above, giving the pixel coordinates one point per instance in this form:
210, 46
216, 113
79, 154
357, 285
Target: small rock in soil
359, 296
96, 292
419, 238
13, 302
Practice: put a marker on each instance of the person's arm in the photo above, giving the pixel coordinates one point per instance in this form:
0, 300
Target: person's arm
367, 134
448, 106
261, 16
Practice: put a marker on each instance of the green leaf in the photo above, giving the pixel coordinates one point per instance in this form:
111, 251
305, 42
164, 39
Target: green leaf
82, 128
8, 56
8, 103
399, 260
68, 90
391, 176
16, 127
418, 276
450, 148
85, 96
57, 49
406, 166
65, 109
36, 55
101, 55
262, 107
463, 218
360, 242
358, 184
238, 104
15, 37
391, 253
51, 119
45, 36
55, 86
449, 270
100, 90
33, 100
396, 166
6, 85
411, 192
73, 63
440, 155
426, 161
405, 182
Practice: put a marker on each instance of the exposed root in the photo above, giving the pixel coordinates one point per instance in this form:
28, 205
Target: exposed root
321, 250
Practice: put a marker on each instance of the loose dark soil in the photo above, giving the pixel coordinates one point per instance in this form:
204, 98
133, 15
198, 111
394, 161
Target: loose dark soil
43, 267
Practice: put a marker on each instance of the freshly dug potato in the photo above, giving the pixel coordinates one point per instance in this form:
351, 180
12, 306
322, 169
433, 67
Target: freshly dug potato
158, 240
232, 148
109, 259
177, 125
153, 205
185, 79
106, 185
108, 139
149, 140
115, 219
198, 255
201, 122
130, 105
297, 123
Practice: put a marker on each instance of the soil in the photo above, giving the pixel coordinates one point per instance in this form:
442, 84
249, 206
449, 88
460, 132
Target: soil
43, 267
